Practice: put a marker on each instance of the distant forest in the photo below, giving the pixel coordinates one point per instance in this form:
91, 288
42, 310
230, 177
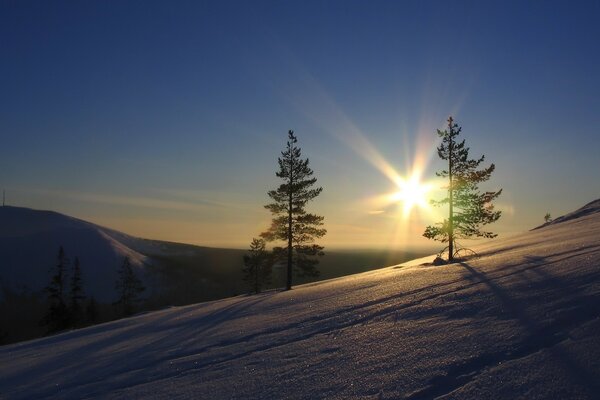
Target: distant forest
182, 277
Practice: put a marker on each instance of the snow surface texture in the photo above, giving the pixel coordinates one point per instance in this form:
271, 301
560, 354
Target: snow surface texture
520, 321
590, 208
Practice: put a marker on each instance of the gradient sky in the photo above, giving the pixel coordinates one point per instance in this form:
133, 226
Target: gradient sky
165, 119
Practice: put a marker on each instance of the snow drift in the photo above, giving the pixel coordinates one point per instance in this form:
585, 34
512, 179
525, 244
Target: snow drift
522, 320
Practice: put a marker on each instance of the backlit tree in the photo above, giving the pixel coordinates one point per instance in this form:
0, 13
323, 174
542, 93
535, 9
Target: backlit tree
468, 208
291, 223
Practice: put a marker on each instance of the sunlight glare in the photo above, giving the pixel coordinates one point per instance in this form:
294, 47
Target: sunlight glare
412, 193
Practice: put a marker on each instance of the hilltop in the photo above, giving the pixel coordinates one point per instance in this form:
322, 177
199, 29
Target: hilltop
29, 242
521, 320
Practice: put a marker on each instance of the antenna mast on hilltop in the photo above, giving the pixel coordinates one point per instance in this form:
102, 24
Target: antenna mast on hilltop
3, 197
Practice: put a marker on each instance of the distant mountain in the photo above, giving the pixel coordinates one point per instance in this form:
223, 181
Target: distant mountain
29, 243
30, 239
175, 273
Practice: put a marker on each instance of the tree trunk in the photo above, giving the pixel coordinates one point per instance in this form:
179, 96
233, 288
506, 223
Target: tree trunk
256, 289
451, 203
288, 284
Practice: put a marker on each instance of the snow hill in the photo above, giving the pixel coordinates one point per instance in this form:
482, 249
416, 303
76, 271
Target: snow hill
522, 320
29, 242
590, 208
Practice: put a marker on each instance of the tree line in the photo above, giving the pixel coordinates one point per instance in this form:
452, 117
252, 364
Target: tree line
67, 304
469, 210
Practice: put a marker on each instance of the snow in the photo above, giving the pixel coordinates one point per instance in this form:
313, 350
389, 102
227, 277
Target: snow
590, 208
29, 242
520, 321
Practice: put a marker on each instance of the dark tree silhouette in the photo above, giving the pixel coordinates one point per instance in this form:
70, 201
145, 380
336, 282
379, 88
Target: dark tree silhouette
57, 316
547, 218
76, 294
91, 310
129, 287
468, 209
291, 223
257, 265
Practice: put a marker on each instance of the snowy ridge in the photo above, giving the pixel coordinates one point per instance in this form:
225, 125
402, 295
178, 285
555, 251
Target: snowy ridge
29, 242
520, 321
123, 251
590, 208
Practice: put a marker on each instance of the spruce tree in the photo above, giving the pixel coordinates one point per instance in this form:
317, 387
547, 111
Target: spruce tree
291, 223
129, 287
257, 265
91, 310
57, 316
76, 294
468, 208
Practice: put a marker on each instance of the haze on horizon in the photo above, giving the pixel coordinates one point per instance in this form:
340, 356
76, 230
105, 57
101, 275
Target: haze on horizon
166, 121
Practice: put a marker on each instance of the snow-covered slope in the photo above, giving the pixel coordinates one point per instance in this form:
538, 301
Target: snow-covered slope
29, 242
520, 321
592, 207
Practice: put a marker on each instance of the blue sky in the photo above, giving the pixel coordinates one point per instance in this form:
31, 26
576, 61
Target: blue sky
164, 119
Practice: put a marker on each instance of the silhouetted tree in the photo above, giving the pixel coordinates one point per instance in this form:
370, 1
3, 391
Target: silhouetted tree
129, 287
291, 223
547, 218
76, 294
257, 265
91, 310
468, 209
3, 337
57, 316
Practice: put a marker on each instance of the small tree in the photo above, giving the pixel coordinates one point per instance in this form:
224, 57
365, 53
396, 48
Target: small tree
468, 209
3, 337
291, 223
129, 287
91, 310
76, 295
57, 316
257, 265
547, 218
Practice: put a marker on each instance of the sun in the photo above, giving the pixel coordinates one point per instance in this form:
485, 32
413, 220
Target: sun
412, 193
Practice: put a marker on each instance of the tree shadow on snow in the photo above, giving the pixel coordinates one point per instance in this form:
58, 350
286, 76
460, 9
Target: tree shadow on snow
540, 335
548, 334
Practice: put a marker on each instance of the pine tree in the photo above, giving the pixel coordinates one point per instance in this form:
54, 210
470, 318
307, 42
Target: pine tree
57, 316
291, 223
129, 287
257, 265
468, 208
91, 310
76, 294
